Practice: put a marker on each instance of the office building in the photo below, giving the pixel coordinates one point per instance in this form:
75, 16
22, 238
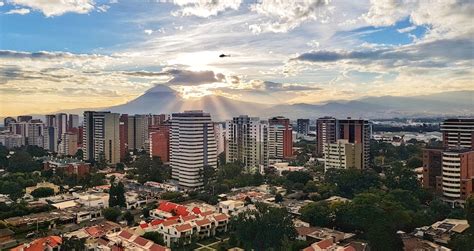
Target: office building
101, 136
325, 133
10, 140
193, 146
302, 126
356, 131
50, 141
68, 145
73, 121
245, 141
159, 140
284, 132
137, 132
220, 133
24, 118
7, 121
343, 155
123, 136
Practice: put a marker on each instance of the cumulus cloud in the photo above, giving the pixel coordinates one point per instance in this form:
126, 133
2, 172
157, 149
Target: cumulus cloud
21, 11
182, 77
57, 7
148, 32
204, 8
287, 15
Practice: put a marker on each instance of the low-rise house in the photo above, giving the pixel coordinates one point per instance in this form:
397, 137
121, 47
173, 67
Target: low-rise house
6, 235
50, 243
93, 199
307, 233
130, 241
231, 207
442, 231
68, 166
328, 245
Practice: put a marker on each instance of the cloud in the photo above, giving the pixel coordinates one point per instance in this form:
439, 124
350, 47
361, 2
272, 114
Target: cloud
182, 77
148, 32
269, 86
427, 54
21, 11
1, 3
287, 15
52, 8
407, 29
204, 8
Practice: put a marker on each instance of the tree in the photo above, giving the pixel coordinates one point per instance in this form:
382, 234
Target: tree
79, 154
150, 169
156, 237
469, 208
414, 162
317, 214
21, 161
42, 192
111, 213
129, 218
117, 195
73, 243
146, 212
208, 175
263, 228
278, 198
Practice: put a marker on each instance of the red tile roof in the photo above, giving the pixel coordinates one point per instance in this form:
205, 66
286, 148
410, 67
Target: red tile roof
203, 222
196, 210
206, 213
221, 217
324, 244
189, 217
169, 223
172, 207
172, 218
40, 244
144, 225
184, 227
156, 222
141, 241
349, 248
125, 234
156, 247
94, 231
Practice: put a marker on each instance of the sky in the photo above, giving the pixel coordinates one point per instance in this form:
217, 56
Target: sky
65, 54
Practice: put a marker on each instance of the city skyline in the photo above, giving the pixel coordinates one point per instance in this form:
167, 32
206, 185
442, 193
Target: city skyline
92, 54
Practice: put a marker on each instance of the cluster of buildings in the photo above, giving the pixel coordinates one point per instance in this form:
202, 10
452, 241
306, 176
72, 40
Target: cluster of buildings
449, 170
343, 143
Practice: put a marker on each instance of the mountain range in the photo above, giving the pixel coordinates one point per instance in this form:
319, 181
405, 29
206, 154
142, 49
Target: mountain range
162, 99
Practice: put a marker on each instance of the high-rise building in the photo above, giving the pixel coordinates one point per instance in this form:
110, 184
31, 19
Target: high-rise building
325, 133
101, 136
137, 131
457, 162
343, 155
7, 121
123, 135
73, 121
302, 126
50, 141
458, 174
35, 134
68, 145
10, 140
61, 124
24, 118
432, 159
458, 133
245, 141
356, 131
220, 133
284, 127
193, 146
159, 140
157, 119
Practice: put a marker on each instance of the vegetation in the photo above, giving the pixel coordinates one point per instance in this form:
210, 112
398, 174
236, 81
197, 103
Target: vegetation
155, 237
117, 195
264, 228
150, 169
111, 213
42, 192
